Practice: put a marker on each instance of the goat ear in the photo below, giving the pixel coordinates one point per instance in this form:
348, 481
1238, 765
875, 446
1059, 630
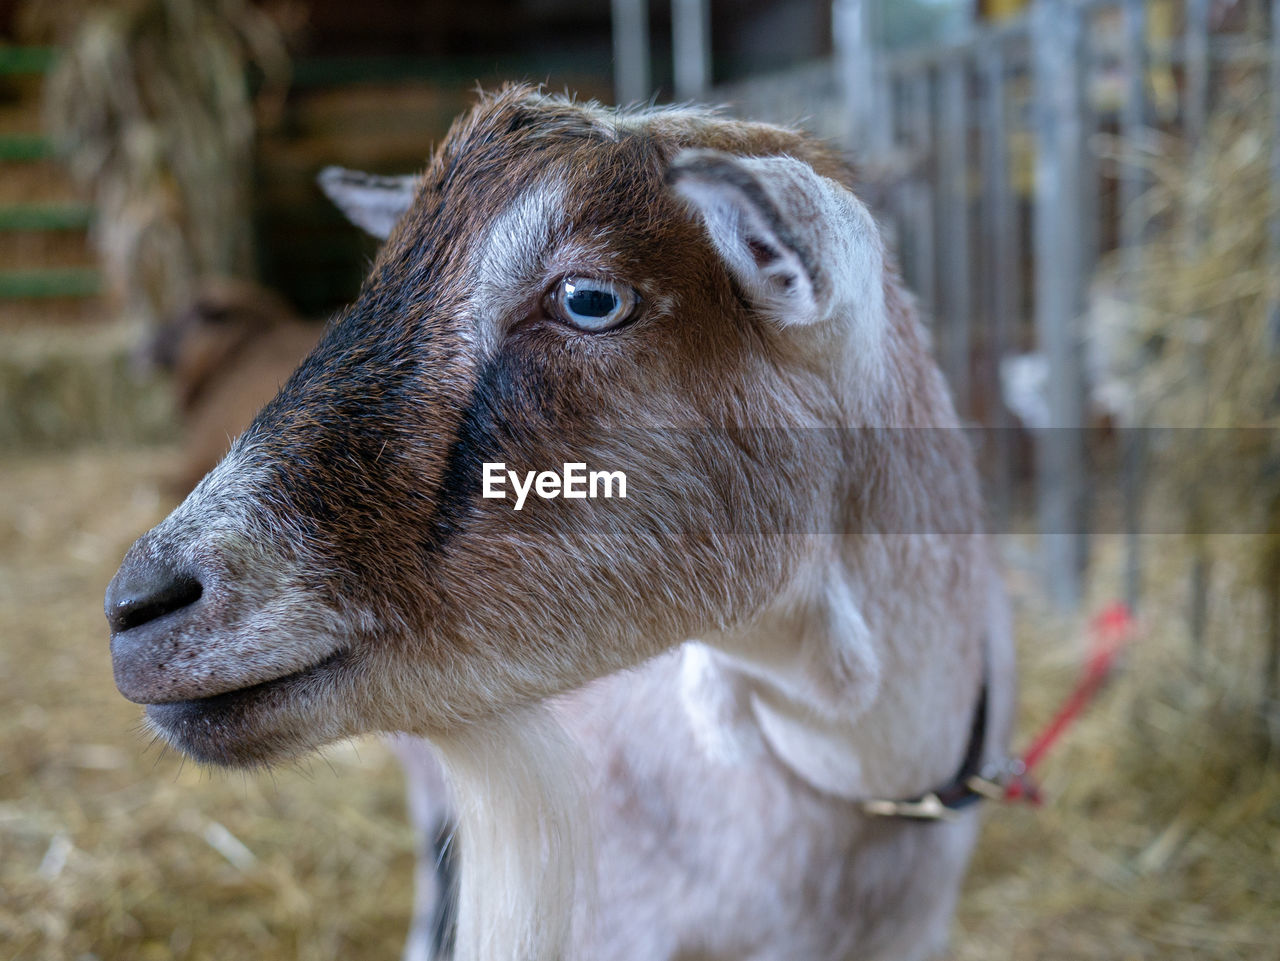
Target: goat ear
803, 247
372, 203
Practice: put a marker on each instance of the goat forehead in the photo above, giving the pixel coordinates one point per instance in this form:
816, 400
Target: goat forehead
513, 246
499, 152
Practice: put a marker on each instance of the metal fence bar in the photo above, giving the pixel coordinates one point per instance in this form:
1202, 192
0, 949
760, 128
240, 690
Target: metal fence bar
880, 120
956, 303
1132, 126
1225, 50
1196, 50
1090, 181
691, 48
1195, 122
1132, 231
912, 60
1089, 198
924, 225
854, 53
925, 100
1273, 221
1271, 669
631, 76
896, 207
1000, 241
1060, 449
1257, 14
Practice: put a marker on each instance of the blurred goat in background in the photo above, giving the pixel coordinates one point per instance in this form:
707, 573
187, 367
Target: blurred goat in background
228, 353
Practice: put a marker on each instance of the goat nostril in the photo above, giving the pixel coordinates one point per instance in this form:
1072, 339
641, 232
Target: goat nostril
133, 608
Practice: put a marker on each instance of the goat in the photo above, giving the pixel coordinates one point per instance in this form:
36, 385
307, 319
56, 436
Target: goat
668, 719
227, 355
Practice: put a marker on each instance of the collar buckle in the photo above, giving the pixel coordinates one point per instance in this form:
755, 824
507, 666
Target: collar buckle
928, 807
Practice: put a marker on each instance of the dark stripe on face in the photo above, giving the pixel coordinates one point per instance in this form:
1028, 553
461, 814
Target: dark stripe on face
475, 443
488, 430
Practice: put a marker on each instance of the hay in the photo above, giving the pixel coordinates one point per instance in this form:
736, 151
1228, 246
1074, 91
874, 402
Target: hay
62, 387
152, 107
1192, 344
112, 850
1162, 828
1160, 840
1195, 345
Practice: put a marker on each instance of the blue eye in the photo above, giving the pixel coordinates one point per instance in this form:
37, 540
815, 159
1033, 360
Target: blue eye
591, 304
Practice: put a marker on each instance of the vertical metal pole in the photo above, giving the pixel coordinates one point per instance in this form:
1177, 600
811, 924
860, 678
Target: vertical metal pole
894, 215
1196, 116
1257, 12
1195, 113
1090, 239
691, 48
1132, 126
923, 192
1090, 185
879, 126
1273, 221
1271, 666
1196, 47
1000, 241
1132, 231
1271, 674
1201, 576
1060, 451
631, 51
956, 301
851, 34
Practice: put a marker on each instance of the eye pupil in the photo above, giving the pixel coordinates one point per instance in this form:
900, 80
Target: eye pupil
591, 302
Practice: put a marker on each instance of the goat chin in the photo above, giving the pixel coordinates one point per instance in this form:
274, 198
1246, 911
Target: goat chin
523, 835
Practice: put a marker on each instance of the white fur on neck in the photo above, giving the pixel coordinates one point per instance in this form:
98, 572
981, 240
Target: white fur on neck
808, 667
522, 835
853, 714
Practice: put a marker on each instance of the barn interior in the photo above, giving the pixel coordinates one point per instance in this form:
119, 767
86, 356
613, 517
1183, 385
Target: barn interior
1100, 269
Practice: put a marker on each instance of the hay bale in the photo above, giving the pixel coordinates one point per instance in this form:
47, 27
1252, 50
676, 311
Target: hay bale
60, 388
152, 107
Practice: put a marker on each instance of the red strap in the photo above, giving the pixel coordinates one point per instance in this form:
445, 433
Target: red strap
1111, 630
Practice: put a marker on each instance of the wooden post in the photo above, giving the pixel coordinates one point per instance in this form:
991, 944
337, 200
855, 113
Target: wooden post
1060, 449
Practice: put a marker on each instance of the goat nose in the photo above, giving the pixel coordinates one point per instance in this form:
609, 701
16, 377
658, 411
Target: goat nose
144, 589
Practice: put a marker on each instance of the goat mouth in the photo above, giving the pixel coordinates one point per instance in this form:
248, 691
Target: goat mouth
251, 725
